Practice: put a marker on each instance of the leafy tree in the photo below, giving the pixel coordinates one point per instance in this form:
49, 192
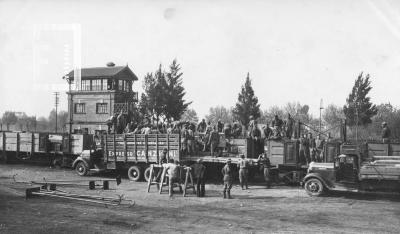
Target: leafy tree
175, 104
62, 119
358, 109
190, 115
220, 113
9, 118
23, 121
269, 114
332, 115
247, 104
387, 113
297, 111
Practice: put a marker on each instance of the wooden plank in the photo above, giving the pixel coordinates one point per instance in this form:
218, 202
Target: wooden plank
18, 146
158, 154
147, 150
4, 147
125, 150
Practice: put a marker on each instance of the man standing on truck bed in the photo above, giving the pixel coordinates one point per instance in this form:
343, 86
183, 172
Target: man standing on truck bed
385, 133
198, 173
227, 174
243, 172
213, 141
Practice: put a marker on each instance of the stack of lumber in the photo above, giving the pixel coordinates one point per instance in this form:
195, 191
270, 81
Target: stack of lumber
382, 168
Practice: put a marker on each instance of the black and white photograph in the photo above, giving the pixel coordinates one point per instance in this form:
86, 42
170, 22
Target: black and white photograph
199, 116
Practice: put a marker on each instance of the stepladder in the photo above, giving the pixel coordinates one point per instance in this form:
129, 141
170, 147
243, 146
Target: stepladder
156, 173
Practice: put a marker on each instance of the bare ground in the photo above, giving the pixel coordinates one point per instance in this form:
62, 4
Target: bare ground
257, 210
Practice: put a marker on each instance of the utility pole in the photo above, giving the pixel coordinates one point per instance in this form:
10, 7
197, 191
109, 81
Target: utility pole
57, 101
320, 116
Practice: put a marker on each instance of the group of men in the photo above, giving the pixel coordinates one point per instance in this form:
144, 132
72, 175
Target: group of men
198, 172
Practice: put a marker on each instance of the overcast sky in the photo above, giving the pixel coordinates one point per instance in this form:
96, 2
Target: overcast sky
294, 50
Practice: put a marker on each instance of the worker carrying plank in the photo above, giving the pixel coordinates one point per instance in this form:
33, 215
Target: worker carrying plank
174, 175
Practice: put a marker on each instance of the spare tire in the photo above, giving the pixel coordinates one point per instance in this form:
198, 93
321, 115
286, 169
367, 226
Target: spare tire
135, 173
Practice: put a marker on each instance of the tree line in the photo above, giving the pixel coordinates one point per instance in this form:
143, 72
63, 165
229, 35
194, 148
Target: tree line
20, 121
163, 100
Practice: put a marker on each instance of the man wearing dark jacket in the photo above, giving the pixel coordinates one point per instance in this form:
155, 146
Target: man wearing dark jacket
227, 174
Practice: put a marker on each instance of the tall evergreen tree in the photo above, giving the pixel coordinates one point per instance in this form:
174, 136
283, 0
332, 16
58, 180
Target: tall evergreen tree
247, 104
358, 109
175, 105
153, 102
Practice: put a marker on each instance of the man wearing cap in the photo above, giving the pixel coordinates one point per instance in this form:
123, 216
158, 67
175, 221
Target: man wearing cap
163, 160
198, 173
385, 133
243, 171
227, 174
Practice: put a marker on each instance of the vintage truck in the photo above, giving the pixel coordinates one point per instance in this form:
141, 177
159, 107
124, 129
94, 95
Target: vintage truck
369, 166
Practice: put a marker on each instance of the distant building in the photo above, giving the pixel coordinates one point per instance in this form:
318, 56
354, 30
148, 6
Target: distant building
100, 93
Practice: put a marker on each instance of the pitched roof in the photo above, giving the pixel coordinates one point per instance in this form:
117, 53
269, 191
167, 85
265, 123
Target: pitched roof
94, 72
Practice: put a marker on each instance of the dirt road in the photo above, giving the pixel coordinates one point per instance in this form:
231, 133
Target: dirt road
258, 210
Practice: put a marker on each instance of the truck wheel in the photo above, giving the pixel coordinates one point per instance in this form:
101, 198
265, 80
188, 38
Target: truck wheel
134, 173
314, 187
81, 169
147, 174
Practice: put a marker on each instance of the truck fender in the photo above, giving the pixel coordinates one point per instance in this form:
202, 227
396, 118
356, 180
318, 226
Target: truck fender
80, 159
326, 183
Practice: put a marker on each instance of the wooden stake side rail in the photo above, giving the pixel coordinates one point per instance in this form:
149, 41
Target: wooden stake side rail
140, 147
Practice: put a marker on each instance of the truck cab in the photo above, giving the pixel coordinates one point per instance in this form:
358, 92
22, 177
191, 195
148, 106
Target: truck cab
343, 174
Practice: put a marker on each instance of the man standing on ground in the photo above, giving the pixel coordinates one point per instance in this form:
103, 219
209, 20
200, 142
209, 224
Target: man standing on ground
198, 173
243, 171
227, 174
265, 165
174, 176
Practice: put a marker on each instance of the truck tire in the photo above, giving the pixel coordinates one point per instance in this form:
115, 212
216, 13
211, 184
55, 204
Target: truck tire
135, 173
81, 168
147, 174
314, 187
